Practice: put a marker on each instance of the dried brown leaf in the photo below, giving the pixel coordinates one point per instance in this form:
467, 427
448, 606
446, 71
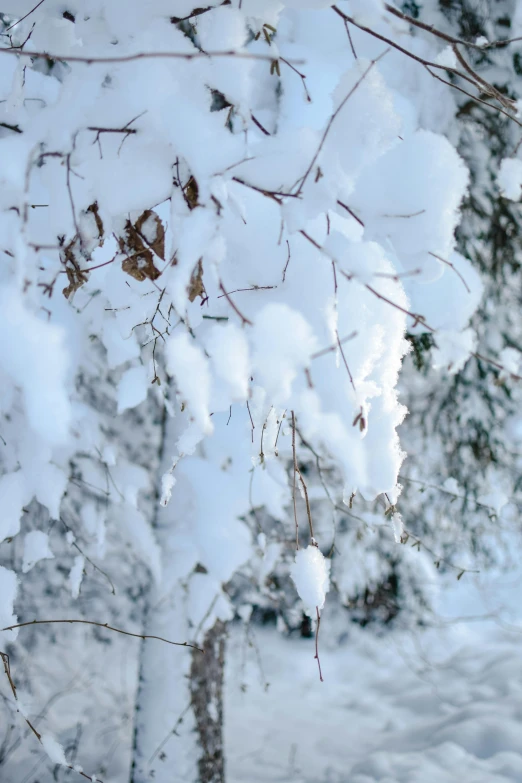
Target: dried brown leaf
196, 286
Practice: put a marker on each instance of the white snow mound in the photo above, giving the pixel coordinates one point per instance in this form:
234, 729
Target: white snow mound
311, 575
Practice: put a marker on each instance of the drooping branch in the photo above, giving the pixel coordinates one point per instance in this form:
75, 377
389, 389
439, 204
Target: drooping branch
129, 58
479, 84
102, 625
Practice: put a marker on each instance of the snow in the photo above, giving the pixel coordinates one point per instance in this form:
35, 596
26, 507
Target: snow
53, 749
283, 343
14, 495
76, 575
453, 349
311, 575
8, 590
293, 219
509, 178
36, 548
448, 58
186, 362
167, 484
433, 705
132, 388
32, 353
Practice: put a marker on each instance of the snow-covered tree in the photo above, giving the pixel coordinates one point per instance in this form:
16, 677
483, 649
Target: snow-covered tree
219, 226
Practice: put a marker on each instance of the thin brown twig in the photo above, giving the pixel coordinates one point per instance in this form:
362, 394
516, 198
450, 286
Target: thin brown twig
252, 288
302, 75
7, 670
173, 731
412, 214
428, 64
333, 347
261, 127
444, 36
339, 344
452, 266
418, 542
417, 318
273, 194
348, 33
238, 312
445, 491
475, 98
251, 420
488, 88
103, 625
333, 118
307, 502
350, 212
278, 431
128, 58
263, 428
91, 562
196, 12
25, 17
287, 260
316, 656
498, 366
71, 198
295, 483
399, 48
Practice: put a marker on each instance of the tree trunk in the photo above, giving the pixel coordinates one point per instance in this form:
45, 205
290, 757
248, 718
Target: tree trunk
179, 708
206, 682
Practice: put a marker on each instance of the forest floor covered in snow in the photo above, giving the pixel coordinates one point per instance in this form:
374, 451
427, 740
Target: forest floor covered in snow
434, 705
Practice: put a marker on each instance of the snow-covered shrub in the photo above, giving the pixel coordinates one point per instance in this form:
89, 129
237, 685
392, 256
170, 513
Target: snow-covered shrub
218, 229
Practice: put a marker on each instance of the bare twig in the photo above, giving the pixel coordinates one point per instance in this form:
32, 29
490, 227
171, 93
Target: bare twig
333, 118
252, 288
348, 33
307, 502
27, 14
287, 260
107, 627
350, 212
128, 58
251, 420
339, 344
444, 36
418, 542
452, 266
244, 320
91, 562
333, 347
294, 483
316, 656
261, 127
428, 64
7, 670
417, 318
302, 75
278, 432
445, 491
412, 214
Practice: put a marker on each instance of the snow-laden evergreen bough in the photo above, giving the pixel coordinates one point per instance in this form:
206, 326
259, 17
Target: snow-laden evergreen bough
219, 225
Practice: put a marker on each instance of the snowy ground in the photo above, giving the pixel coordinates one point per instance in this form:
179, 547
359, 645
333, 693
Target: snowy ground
434, 706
